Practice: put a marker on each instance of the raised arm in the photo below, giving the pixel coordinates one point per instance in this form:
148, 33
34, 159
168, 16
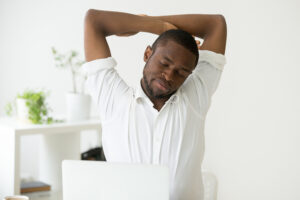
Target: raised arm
99, 24
211, 28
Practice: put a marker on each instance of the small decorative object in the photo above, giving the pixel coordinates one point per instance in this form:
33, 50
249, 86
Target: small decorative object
94, 154
34, 186
78, 103
31, 107
70, 60
16, 197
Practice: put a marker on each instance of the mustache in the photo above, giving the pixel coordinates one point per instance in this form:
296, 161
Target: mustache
164, 83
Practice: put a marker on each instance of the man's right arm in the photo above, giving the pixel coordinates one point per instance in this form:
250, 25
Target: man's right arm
108, 90
99, 24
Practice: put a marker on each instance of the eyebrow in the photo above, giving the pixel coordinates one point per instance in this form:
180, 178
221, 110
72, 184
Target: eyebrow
169, 60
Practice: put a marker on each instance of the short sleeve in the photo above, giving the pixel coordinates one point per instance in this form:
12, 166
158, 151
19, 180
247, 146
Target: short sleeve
203, 82
105, 86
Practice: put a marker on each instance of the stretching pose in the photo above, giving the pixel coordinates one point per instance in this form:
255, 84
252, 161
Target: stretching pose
162, 120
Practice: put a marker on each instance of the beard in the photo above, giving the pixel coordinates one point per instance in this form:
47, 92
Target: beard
151, 92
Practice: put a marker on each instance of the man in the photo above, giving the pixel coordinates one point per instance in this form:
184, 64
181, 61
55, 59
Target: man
162, 122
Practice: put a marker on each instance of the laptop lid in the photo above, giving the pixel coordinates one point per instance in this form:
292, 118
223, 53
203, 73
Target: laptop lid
98, 180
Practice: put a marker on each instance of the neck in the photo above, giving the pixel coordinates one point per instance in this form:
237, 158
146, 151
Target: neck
158, 103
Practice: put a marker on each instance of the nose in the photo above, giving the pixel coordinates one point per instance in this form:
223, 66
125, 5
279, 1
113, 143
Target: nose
168, 74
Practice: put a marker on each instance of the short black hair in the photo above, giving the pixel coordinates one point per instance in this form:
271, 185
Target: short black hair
179, 36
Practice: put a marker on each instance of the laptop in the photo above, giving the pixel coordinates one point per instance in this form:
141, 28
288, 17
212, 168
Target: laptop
98, 180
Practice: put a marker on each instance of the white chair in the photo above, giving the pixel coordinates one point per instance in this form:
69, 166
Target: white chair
210, 185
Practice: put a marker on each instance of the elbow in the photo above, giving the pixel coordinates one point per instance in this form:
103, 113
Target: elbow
93, 15
220, 25
90, 15
93, 20
217, 23
220, 19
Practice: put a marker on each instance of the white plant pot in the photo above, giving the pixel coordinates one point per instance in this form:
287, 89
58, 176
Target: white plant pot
78, 106
22, 111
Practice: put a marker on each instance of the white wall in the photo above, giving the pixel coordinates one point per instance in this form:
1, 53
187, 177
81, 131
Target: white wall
252, 131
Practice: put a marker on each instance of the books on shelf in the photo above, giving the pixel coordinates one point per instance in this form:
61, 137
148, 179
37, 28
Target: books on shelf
34, 186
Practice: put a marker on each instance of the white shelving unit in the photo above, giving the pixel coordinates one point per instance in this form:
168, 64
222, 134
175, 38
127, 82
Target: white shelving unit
60, 141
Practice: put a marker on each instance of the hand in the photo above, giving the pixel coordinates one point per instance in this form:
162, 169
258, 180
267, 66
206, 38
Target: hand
166, 26
197, 42
169, 26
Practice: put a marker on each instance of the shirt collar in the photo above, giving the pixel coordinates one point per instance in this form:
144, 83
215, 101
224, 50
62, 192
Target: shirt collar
140, 95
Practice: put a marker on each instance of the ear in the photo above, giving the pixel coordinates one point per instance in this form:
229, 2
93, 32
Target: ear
148, 53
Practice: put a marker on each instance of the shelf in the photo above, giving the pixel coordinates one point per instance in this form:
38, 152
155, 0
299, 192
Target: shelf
47, 195
60, 141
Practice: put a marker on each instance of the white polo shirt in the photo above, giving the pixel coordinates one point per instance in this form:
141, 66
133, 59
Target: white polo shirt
135, 132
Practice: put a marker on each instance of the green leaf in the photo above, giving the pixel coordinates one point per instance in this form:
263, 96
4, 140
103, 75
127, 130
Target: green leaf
8, 109
53, 50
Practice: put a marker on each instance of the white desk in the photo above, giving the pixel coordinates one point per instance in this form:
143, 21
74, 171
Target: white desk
61, 141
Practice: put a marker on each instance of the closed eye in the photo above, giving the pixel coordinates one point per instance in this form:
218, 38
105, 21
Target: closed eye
183, 73
163, 64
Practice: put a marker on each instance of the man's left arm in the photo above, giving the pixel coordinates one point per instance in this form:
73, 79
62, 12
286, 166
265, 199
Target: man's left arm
211, 28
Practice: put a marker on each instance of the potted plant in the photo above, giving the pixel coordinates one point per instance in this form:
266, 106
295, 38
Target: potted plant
78, 103
31, 107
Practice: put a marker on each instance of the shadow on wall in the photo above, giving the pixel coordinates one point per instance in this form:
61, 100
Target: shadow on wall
210, 185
